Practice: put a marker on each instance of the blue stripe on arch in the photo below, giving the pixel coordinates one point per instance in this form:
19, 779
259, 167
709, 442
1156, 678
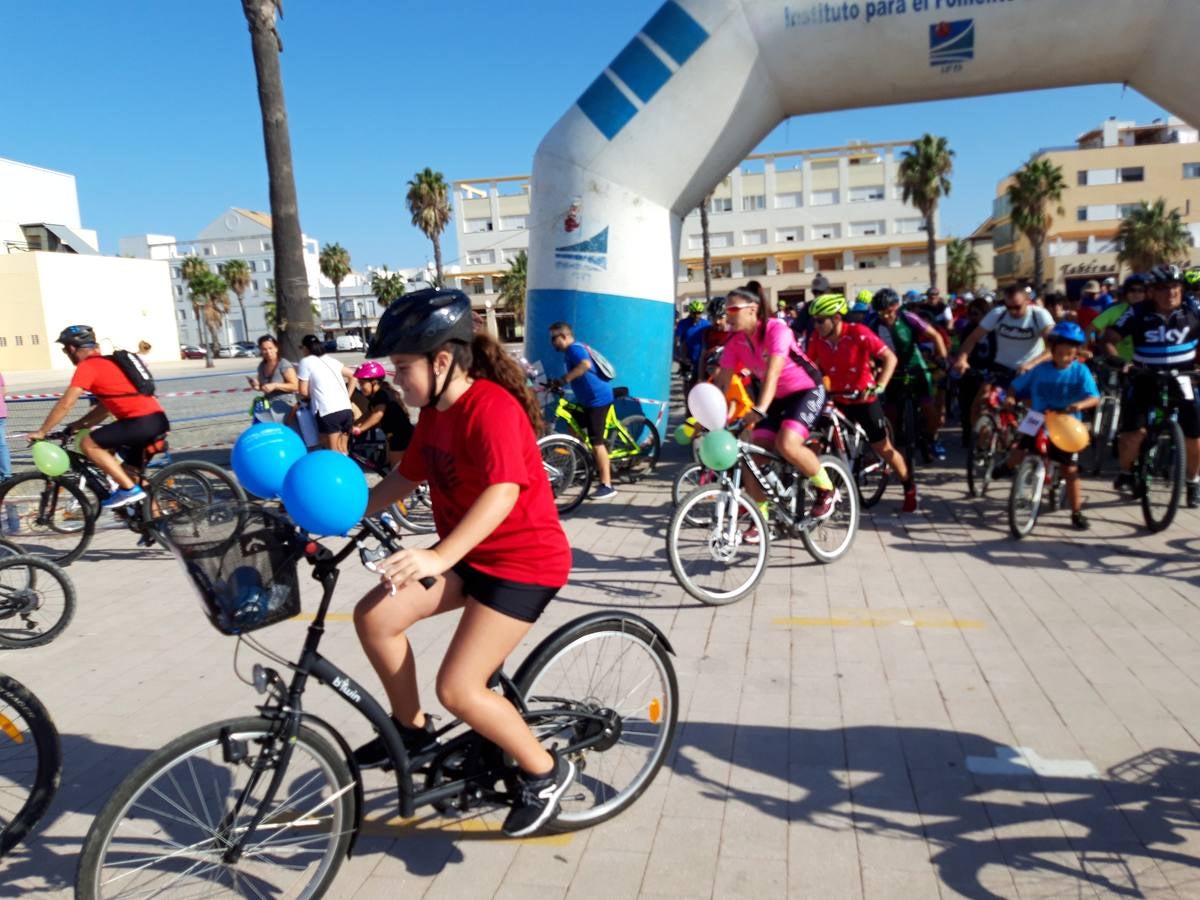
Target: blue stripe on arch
676, 32
641, 70
606, 107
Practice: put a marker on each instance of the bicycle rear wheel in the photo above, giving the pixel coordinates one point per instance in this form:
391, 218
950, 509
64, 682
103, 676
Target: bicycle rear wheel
612, 667
981, 455
871, 475
636, 466
707, 545
188, 485
37, 601
415, 512
1025, 496
30, 762
170, 824
1161, 466
55, 519
830, 538
568, 465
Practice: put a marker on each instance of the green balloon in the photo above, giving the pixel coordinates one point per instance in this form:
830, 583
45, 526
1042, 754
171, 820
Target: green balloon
684, 434
51, 460
718, 450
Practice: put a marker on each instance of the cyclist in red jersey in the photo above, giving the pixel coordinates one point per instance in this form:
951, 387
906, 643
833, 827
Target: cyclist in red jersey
846, 353
791, 397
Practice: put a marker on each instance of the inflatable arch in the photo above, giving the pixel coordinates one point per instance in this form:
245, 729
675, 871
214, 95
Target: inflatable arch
705, 80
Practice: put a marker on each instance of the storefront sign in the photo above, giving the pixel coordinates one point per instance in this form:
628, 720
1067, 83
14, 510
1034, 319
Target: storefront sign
1095, 267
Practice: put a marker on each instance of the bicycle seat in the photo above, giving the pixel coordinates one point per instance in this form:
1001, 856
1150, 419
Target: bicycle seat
620, 392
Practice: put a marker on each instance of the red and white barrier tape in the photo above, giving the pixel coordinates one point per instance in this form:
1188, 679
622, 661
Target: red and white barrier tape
197, 393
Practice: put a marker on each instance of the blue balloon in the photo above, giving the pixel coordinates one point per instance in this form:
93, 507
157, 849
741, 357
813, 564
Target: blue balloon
263, 455
325, 493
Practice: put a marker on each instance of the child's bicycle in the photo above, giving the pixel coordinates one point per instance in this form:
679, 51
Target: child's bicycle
1037, 486
59, 515
633, 442
991, 437
269, 805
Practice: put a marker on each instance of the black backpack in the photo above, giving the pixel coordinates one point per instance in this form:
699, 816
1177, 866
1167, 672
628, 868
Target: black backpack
133, 368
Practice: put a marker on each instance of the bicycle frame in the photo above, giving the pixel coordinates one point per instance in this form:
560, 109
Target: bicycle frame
572, 415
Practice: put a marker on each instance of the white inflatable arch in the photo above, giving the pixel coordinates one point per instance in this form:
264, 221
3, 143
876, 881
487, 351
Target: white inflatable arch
701, 85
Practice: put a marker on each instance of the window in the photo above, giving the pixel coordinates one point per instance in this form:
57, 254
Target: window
179, 290
3, 342
866, 194
176, 272
826, 232
1131, 173
791, 266
511, 254
1081, 178
182, 316
254, 284
913, 225
475, 287
828, 263
792, 200
751, 202
1081, 247
866, 229
871, 261
720, 205
513, 223
720, 270
266, 245
266, 265
914, 258
19, 341
1125, 210
208, 251
720, 239
1081, 214
783, 235
755, 237
824, 198
481, 258
1191, 170
34, 339
474, 226
270, 284
754, 268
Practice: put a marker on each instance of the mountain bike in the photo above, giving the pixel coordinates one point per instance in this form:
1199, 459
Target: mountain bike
568, 463
270, 804
908, 436
414, 512
30, 762
991, 437
60, 515
834, 433
37, 599
633, 442
1104, 417
1037, 486
708, 546
1159, 471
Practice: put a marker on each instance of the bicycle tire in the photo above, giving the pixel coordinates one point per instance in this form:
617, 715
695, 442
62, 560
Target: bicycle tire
714, 532
608, 647
1102, 424
845, 514
981, 455
569, 468
872, 475
415, 512
46, 760
188, 485
1025, 496
638, 465
689, 478
1161, 463
22, 596
59, 528
330, 805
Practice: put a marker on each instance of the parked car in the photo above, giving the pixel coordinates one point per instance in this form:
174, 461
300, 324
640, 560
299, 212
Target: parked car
349, 342
246, 348
226, 352
190, 351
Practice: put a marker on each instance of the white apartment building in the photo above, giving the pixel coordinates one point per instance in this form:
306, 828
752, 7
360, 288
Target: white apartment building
779, 218
360, 306
235, 234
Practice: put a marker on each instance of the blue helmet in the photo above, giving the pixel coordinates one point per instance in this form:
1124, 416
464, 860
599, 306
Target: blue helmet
913, 297
1068, 331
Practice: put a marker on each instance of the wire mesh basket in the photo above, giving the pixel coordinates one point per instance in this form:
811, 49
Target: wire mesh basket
242, 559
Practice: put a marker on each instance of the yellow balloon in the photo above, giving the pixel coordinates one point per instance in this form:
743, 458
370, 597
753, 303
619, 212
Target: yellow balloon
1066, 432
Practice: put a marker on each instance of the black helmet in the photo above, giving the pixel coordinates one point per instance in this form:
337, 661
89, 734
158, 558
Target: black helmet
716, 307
885, 299
422, 321
820, 285
1166, 274
1136, 280
77, 336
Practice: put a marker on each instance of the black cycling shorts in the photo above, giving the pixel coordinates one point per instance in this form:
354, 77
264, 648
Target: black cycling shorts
512, 598
339, 422
869, 416
594, 418
801, 409
130, 437
1141, 395
1029, 443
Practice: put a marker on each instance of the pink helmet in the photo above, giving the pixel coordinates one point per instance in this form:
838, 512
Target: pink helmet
370, 371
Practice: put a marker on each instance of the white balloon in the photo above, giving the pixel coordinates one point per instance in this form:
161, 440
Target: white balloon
706, 402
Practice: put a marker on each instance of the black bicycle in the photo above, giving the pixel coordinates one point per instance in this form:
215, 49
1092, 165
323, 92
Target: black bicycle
30, 762
1159, 471
269, 805
37, 598
59, 515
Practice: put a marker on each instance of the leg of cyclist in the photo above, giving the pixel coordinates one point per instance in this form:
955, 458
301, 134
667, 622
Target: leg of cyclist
873, 418
792, 418
106, 462
597, 419
99, 443
1189, 423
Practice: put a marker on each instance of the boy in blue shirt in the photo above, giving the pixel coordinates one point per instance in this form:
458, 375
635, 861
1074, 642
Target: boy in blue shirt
594, 394
1061, 384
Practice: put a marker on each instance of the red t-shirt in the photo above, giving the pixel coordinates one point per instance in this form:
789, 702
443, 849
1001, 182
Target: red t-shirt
847, 364
104, 378
485, 439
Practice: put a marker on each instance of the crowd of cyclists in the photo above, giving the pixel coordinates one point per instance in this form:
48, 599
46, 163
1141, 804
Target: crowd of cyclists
1052, 352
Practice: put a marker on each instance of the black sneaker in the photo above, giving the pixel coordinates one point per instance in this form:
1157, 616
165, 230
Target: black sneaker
1123, 482
1193, 495
415, 740
1079, 522
537, 798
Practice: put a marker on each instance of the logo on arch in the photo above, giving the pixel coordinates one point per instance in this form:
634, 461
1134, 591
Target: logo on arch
951, 42
591, 254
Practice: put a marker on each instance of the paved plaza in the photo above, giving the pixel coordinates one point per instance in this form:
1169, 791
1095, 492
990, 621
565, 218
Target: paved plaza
946, 712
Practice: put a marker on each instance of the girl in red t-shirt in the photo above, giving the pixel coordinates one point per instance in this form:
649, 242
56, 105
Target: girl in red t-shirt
502, 554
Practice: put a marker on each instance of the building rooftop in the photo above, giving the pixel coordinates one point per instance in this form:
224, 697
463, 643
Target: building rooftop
262, 218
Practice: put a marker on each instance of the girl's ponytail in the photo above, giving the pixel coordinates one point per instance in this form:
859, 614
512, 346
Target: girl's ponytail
488, 359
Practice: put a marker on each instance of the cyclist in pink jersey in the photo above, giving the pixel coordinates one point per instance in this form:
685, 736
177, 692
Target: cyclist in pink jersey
791, 397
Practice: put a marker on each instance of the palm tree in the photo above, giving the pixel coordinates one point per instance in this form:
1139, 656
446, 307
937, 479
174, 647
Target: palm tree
512, 286
429, 202
962, 265
236, 273
217, 307
924, 176
202, 284
291, 277
1037, 183
387, 286
335, 265
706, 246
1150, 236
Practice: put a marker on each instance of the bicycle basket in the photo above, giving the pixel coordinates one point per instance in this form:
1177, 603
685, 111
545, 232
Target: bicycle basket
242, 559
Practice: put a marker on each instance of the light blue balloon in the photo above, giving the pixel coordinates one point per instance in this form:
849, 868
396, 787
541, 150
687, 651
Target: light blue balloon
325, 493
263, 455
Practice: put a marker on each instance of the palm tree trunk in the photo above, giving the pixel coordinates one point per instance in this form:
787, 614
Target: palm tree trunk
337, 298
1037, 267
707, 249
437, 258
931, 248
291, 280
245, 321
208, 363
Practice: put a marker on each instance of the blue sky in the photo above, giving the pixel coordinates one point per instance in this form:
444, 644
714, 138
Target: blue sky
153, 107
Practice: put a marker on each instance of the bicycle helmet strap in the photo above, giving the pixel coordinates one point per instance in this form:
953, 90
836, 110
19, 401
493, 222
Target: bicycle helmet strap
435, 392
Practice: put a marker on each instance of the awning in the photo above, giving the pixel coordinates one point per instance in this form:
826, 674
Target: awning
71, 239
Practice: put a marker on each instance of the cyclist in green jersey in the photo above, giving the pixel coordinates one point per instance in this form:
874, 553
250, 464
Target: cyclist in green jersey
1133, 291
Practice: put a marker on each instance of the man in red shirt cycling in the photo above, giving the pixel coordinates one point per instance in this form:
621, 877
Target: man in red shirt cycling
140, 419
846, 353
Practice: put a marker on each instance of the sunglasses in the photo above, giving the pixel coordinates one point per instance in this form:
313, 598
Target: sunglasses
739, 306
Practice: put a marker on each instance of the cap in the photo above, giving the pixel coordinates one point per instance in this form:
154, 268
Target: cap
1092, 287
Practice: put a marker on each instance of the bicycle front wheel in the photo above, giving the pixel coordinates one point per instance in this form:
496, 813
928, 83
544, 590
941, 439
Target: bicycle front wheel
717, 544
53, 517
828, 539
37, 601
173, 824
188, 485
636, 464
981, 455
568, 467
688, 479
1025, 496
609, 678
30, 762
1162, 471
